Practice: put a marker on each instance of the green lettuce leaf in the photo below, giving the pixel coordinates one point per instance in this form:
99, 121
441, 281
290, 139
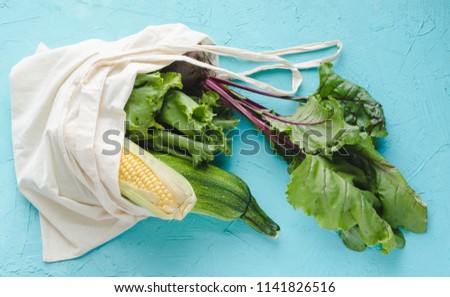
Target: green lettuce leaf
329, 133
359, 107
195, 118
402, 206
184, 114
224, 116
327, 190
162, 117
359, 194
352, 239
146, 100
209, 98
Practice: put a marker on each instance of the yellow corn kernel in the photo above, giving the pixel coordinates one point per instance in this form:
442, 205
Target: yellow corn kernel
134, 171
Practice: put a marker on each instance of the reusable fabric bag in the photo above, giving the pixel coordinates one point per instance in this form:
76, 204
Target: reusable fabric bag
64, 100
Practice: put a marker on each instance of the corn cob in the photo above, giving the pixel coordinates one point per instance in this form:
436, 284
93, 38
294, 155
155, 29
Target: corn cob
151, 184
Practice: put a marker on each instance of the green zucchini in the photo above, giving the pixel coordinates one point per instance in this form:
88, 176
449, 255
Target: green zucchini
222, 195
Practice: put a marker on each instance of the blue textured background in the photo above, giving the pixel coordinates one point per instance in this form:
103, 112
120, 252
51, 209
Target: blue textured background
398, 50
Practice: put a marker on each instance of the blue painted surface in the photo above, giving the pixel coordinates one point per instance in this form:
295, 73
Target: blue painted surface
398, 50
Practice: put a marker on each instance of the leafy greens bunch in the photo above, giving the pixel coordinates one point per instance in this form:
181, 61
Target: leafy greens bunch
161, 116
336, 173
341, 180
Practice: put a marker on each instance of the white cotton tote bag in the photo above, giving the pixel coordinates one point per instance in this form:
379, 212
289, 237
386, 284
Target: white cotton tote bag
64, 100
